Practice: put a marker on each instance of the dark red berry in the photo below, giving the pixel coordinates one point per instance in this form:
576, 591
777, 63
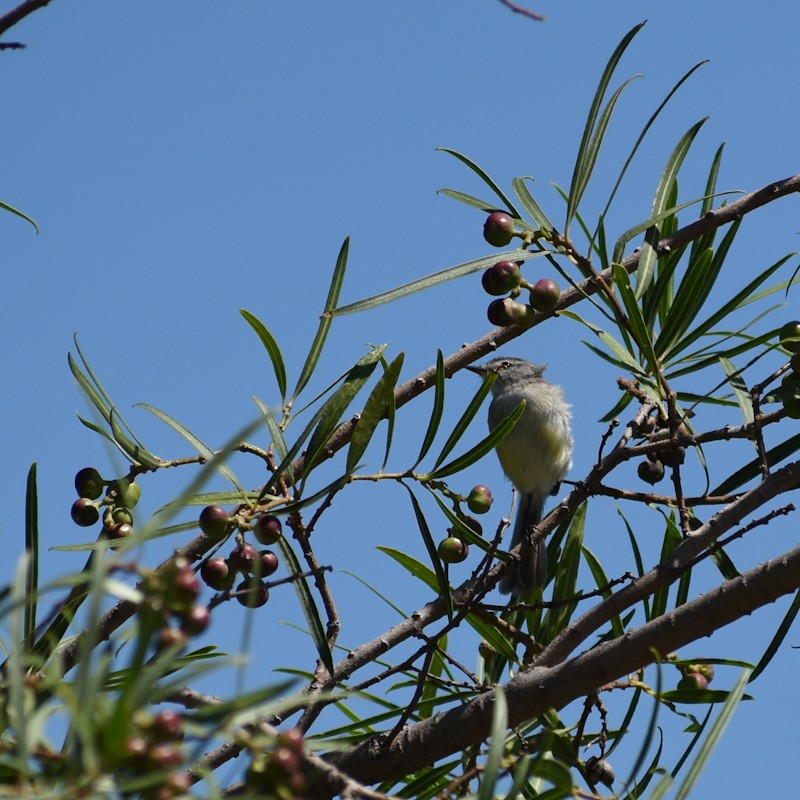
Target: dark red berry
89, 483
167, 724
501, 278
243, 558
84, 512
268, 562
498, 229
214, 522
217, 574
195, 620
545, 295
267, 529
252, 593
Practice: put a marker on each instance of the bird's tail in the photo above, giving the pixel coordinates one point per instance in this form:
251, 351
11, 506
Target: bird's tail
530, 571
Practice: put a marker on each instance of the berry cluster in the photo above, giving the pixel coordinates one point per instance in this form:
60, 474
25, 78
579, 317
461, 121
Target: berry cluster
505, 277
453, 549
279, 773
253, 565
156, 746
790, 340
122, 495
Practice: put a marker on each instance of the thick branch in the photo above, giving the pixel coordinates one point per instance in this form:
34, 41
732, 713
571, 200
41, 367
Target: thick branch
10, 19
538, 689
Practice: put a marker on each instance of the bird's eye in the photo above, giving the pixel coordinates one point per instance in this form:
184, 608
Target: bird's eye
506, 364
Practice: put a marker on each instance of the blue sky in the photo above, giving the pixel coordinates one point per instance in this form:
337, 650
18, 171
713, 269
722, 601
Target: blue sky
185, 160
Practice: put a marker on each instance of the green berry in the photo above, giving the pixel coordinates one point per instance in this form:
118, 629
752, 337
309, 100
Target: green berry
452, 550
479, 500
508, 312
89, 483
693, 680
128, 492
790, 336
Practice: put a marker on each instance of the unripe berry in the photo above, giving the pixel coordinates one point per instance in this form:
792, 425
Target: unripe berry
89, 483
472, 524
501, 278
84, 512
790, 336
508, 312
214, 522
479, 500
217, 574
267, 529
693, 680
498, 230
252, 593
545, 295
119, 530
128, 492
452, 550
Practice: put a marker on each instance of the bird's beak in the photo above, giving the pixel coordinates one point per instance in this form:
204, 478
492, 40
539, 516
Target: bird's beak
477, 370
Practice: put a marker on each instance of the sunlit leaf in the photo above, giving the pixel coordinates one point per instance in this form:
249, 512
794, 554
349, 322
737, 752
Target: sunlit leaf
375, 409
485, 178
325, 320
272, 348
436, 411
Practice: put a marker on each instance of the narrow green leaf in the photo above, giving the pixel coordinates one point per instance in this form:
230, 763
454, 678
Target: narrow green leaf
435, 279
707, 240
486, 445
443, 587
375, 409
468, 199
307, 604
739, 300
32, 549
693, 292
672, 538
497, 742
624, 357
654, 116
643, 337
20, 214
655, 218
203, 449
567, 575
401, 613
272, 348
530, 205
739, 387
414, 567
275, 432
583, 164
436, 411
668, 178
466, 418
334, 408
777, 639
714, 735
752, 469
601, 580
325, 320
485, 178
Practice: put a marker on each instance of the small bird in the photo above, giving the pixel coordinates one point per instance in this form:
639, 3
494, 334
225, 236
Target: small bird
535, 456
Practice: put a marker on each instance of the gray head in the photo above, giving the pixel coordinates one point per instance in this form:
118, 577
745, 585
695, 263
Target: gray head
510, 370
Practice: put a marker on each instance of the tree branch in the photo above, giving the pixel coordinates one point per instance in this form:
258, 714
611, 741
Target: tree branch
10, 19
539, 689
